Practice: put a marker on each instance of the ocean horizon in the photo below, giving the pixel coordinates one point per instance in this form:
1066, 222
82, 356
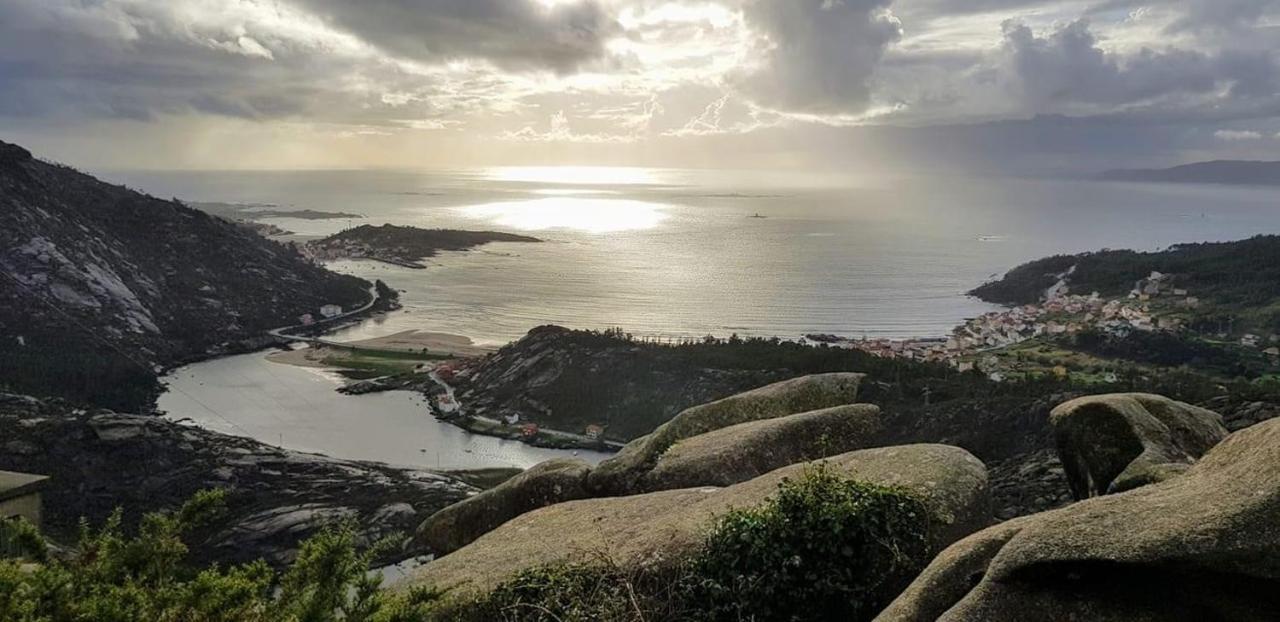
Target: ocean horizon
685, 253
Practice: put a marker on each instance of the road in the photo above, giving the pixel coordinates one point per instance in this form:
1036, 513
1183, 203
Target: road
283, 332
457, 406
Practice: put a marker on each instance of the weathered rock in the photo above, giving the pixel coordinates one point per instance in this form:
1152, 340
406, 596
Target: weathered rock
664, 527
548, 483
100, 461
621, 474
1113, 443
951, 575
748, 450
1202, 546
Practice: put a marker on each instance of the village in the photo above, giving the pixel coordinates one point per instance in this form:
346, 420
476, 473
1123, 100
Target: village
1154, 304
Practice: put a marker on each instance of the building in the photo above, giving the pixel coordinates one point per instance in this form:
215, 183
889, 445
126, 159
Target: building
306, 319
594, 432
20, 496
529, 430
331, 311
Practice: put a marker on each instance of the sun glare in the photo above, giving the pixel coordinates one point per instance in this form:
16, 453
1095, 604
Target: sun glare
583, 214
574, 175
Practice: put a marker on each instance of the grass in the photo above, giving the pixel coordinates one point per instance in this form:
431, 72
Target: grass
371, 363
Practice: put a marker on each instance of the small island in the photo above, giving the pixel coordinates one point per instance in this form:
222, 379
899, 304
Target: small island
403, 246
250, 212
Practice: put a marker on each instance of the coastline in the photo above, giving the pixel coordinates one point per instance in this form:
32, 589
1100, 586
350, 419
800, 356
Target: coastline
404, 342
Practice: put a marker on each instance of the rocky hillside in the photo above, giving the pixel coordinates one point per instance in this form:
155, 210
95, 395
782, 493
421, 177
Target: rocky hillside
567, 380
101, 460
100, 284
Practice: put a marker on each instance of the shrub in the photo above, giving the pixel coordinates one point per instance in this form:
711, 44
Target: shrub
825, 548
114, 577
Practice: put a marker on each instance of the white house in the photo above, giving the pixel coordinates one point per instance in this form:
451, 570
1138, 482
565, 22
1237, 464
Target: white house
330, 311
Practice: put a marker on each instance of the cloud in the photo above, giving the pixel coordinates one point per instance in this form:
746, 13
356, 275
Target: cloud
1220, 15
513, 34
1237, 135
821, 53
1067, 70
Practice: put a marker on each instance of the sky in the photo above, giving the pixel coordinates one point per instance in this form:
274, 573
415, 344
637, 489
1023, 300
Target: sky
870, 86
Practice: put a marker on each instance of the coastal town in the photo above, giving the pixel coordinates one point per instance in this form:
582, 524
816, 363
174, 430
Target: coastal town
1154, 305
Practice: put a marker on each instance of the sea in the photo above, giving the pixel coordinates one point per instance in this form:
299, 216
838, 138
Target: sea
671, 254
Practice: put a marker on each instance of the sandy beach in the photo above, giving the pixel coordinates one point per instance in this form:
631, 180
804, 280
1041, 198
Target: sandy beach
405, 341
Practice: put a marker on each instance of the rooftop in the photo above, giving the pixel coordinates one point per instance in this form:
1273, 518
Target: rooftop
19, 484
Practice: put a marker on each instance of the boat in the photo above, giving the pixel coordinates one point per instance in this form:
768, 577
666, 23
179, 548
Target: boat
757, 215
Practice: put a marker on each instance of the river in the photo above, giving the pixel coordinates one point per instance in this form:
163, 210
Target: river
299, 408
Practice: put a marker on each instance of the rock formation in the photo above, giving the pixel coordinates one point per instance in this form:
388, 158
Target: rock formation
622, 474
748, 450
664, 527
548, 483
1201, 546
1112, 443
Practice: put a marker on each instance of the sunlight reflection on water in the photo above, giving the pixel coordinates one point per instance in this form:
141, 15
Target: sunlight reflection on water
592, 215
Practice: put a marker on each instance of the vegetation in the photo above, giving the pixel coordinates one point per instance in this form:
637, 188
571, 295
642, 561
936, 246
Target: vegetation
114, 577
1233, 278
406, 244
825, 547
632, 385
1165, 349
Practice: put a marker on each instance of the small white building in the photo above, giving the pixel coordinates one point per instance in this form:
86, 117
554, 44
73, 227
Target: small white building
330, 311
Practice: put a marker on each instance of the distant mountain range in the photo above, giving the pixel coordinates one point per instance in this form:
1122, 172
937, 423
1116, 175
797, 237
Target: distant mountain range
1236, 172
101, 285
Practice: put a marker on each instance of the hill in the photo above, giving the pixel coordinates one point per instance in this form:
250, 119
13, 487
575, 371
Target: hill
102, 286
1241, 277
404, 245
1237, 172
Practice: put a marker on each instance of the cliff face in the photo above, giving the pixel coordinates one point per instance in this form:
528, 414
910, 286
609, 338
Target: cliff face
98, 283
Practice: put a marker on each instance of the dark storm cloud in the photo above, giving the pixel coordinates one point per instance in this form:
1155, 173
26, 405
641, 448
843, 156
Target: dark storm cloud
824, 52
1068, 66
515, 34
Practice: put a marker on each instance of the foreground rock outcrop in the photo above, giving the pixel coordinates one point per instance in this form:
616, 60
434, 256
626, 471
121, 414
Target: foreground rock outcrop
1113, 443
748, 450
622, 474
1201, 546
712, 456
664, 527
548, 483
99, 461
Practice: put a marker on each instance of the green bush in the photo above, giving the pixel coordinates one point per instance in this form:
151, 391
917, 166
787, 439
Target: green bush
825, 548
114, 577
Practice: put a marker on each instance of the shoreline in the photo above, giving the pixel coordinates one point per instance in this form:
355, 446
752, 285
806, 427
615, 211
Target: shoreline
408, 342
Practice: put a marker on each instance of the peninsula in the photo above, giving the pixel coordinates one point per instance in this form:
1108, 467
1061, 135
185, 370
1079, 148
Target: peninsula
403, 246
